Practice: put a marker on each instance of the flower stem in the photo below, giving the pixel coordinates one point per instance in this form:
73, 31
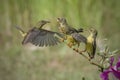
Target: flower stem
93, 63
81, 54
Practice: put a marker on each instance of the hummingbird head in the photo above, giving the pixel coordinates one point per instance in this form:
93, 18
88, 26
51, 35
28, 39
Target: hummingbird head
42, 22
62, 21
93, 31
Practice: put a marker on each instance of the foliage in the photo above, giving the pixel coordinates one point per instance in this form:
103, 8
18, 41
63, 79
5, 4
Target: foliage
19, 62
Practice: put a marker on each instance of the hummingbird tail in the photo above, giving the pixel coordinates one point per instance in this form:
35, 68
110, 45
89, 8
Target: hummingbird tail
21, 31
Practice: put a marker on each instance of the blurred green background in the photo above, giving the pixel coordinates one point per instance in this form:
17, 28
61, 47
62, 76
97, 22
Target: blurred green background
28, 62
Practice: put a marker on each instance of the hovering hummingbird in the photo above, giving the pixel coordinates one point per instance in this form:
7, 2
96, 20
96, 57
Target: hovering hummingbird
39, 36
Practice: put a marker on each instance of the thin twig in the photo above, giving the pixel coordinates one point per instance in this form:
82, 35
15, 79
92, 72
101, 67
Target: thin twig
93, 63
81, 54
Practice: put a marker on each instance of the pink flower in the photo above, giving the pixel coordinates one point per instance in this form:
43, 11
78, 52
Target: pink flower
115, 70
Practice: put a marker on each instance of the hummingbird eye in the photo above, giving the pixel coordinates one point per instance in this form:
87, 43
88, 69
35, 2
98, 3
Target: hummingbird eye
58, 19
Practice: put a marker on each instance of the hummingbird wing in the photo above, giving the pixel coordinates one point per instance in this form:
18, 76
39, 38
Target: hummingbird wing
78, 37
91, 47
94, 47
41, 37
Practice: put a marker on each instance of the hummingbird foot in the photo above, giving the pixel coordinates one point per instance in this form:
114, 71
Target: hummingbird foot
75, 49
61, 40
83, 51
70, 45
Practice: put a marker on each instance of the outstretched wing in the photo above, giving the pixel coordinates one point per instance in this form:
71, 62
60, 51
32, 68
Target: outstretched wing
78, 37
41, 37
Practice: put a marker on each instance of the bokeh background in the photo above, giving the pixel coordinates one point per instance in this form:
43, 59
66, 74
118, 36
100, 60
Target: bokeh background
28, 62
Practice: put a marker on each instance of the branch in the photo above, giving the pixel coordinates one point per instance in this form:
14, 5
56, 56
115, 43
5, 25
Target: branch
93, 63
81, 54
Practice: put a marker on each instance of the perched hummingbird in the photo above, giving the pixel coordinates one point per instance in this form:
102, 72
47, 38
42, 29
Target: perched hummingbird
91, 43
73, 35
